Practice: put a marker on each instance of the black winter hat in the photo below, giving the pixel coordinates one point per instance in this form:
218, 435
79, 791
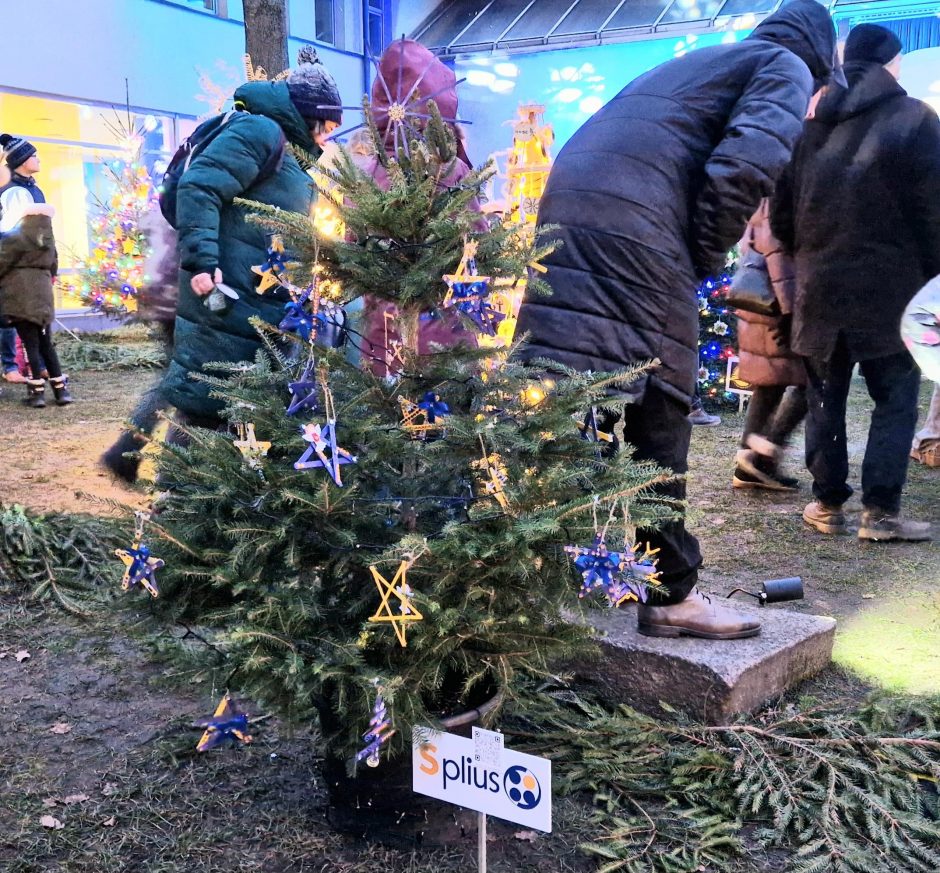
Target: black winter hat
312, 89
873, 44
16, 149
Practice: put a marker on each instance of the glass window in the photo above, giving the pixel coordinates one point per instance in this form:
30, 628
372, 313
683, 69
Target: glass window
493, 22
587, 16
539, 19
640, 13
376, 35
454, 19
692, 10
82, 150
745, 7
325, 21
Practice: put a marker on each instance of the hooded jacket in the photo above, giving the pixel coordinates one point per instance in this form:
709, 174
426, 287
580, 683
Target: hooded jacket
859, 208
213, 232
28, 266
409, 74
651, 193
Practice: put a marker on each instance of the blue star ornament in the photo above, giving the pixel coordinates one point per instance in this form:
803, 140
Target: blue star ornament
139, 568
597, 565
225, 724
303, 392
433, 407
328, 455
297, 320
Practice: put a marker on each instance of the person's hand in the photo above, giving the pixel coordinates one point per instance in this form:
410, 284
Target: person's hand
203, 283
781, 333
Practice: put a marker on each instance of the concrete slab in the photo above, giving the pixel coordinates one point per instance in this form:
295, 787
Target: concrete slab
709, 680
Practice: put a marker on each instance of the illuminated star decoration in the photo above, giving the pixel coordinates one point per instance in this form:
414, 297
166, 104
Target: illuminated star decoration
495, 476
140, 567
469, 292
400, 589
251, 448
322, 441
379, 731
275, 265
424, 418
225, 724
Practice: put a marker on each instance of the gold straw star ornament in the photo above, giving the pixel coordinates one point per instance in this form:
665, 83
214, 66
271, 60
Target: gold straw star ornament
401, 590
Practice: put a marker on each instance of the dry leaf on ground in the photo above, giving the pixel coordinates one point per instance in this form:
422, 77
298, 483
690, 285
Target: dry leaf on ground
75, 798
48, 821
528, 836
21, 656
49, 802
60, 728
109, 822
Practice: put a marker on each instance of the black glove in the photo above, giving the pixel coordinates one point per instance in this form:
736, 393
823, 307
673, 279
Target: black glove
781, 332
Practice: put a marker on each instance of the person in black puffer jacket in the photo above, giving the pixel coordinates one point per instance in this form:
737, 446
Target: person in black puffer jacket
649, 196
859, 209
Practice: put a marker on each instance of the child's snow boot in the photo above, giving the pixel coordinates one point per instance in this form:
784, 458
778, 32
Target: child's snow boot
60, 387
36, 393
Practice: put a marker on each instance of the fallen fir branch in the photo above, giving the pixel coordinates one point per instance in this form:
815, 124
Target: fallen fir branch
65, 559
849, 792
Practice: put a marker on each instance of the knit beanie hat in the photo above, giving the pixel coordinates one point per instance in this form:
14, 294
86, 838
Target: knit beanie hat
312, 89
872, 44
16, 149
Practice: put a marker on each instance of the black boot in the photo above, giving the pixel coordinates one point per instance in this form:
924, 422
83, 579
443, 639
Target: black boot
36, 393
60, 387
116, 459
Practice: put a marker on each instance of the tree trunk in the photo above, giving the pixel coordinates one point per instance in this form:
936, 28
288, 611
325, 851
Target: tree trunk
266, 35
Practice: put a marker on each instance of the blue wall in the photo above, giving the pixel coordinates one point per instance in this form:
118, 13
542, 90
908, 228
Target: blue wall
84, 49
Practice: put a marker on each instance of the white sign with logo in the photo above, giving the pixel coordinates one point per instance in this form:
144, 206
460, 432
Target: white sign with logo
481, 774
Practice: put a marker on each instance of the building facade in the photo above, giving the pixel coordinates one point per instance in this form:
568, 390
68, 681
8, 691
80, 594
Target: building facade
77, 76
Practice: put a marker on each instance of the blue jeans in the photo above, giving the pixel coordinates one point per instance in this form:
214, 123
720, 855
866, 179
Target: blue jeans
893, 383
8, 349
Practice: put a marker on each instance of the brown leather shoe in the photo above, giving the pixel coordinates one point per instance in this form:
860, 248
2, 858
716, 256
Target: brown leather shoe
881, 526
696, 616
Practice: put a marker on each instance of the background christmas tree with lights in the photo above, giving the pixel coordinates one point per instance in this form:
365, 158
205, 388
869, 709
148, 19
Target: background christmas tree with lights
717, 340
109, 278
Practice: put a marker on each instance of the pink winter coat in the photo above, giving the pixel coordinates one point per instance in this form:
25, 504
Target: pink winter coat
764, 361
411, 72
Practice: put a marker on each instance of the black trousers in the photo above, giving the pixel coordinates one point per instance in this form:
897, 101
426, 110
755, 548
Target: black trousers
659, 430
39, 348
893, 383
774, 412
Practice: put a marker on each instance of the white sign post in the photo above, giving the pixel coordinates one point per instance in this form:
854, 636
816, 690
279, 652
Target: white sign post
481, 774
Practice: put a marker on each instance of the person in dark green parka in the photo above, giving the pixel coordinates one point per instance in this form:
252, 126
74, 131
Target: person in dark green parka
247, 158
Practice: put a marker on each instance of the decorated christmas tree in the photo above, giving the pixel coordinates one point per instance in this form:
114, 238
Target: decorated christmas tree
109, 278
375, 551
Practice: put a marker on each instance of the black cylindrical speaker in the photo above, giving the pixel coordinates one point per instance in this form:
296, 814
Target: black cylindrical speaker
779, 590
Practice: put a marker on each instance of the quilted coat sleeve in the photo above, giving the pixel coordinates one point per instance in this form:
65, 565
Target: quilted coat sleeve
754, 149
11, 250
224, 170
924, 205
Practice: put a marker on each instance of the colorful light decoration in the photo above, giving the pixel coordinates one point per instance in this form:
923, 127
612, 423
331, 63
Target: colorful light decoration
110, 277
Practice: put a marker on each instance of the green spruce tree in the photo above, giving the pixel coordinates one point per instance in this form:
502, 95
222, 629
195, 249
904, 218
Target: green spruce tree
278, 562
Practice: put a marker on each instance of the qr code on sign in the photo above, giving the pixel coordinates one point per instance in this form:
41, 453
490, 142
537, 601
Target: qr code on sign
487, 747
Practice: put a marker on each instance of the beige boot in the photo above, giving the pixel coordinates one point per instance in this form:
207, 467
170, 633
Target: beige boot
826, 519
696, 616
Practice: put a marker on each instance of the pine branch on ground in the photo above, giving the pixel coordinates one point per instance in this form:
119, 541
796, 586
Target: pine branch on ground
847, 792
64, 559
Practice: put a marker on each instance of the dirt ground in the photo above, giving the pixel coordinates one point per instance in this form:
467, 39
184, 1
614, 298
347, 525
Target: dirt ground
97, 730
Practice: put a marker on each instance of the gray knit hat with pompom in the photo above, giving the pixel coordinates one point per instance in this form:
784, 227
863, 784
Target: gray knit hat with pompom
312, 89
